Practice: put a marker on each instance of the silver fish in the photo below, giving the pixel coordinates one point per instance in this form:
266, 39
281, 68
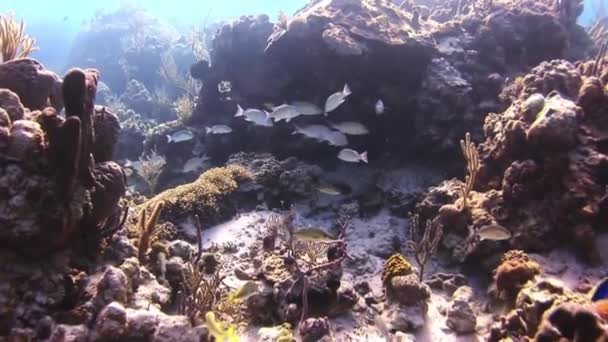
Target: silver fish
284, 112
194, 164
318, 132
307, 108
336, 99
218, 129
351, 128
224, 87
258, 117
379, 107
336, 138
352, 156
493, 232
329, 190
180, 136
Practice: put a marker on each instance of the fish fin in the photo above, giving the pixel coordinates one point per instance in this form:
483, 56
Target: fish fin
363, 157
207, 130
600, 291
239, 111
287, 120
346, 91
169, 140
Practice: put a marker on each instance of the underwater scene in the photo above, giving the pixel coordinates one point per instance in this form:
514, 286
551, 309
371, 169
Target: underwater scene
323, 170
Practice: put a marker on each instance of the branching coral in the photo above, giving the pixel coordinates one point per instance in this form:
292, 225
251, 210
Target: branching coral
147, 228
199, 294
184, 106
336, 254
14, 44
421, 243
170, 72
150, 168
472, 157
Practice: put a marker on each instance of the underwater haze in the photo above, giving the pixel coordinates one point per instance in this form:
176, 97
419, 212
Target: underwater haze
56, 26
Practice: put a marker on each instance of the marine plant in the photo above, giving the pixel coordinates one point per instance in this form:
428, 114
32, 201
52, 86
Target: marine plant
150, 169
147, 226
14, 43
169, 71
421, 243
184, 106
472, 158
199, 293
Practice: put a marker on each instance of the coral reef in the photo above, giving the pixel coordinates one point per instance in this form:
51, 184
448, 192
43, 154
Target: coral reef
205, 197
515, 270
542, 166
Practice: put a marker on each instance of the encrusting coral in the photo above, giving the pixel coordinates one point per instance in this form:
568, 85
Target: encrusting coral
515, 269
395, 265
203, 196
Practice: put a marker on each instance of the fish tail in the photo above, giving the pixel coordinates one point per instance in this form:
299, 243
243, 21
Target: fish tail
239, 111
363, 157
346, 91
207, 130
169, 140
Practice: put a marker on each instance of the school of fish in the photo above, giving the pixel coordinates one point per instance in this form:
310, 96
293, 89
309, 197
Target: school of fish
334, 135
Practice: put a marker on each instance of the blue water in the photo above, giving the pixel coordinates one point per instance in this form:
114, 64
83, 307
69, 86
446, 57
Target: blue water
55, 24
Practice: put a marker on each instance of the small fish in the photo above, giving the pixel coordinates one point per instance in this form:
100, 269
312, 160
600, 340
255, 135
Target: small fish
312, 234
379, 107
284, 112
600, 291
218, 129
180, 136
336, 138
245, 291
493, 232
194, 164
351, 128
219, 330
352, 156
336, 99
381, 325
65, 19
258, 117
329, 190
307, 108
318, 132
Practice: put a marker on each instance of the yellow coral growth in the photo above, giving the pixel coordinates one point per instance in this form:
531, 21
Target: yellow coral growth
396, 265
14, 44
202, 196
516, 269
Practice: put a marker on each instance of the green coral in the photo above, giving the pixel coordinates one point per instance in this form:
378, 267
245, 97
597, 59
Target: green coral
396, 265
203, 196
